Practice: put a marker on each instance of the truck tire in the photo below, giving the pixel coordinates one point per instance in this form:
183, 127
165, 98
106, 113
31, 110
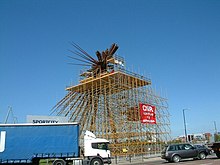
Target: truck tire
96, 161
35, 161
59, 162
218, 154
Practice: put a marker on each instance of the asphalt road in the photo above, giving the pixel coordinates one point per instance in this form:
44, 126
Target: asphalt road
210, 160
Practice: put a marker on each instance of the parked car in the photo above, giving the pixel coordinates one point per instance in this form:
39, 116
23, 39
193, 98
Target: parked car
176, 152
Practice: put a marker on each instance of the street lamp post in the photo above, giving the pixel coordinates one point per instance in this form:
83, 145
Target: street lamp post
215, 135
184, 120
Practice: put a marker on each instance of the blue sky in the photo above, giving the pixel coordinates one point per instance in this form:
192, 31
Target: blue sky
175, 42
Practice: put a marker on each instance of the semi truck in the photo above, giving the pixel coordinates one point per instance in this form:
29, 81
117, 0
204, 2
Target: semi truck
57, 142
216, 148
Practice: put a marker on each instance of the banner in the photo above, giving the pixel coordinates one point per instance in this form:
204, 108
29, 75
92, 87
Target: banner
147, 113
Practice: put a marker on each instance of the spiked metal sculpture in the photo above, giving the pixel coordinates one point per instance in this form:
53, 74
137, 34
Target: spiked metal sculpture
97, 66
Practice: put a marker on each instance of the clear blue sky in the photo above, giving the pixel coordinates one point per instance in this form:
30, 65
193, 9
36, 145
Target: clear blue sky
176, 42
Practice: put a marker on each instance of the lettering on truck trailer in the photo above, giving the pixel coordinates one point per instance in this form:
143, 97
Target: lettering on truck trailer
2, 141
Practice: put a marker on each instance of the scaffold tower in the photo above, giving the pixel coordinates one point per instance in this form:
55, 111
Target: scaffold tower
107, 102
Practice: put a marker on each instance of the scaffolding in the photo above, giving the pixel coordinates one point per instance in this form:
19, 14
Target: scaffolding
108, 105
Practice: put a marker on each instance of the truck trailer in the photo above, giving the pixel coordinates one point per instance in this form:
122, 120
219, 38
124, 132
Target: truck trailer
216, 148
58, 142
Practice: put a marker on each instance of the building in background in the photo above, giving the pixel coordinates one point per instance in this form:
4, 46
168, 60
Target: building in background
46, 119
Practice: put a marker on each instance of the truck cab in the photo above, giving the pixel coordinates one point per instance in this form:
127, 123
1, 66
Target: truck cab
96, 149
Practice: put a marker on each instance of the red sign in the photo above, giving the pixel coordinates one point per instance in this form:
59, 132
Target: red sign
147, 113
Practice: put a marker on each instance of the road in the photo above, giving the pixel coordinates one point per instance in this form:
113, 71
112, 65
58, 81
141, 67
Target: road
210, 160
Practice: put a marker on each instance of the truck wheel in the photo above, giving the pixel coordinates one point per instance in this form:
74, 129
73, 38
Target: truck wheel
202, 155
96, 161
35, 161
59, 162
218, 154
